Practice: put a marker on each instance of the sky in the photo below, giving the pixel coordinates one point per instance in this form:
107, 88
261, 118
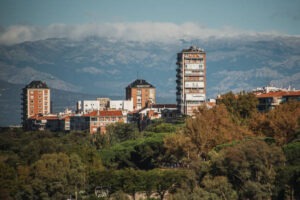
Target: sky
26, 20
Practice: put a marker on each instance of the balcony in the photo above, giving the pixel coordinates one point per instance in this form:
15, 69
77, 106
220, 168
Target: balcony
193, 73
195, 97
178, 81
178, 69
179, 88
179, 75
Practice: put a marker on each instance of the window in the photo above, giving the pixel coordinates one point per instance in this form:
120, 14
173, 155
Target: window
139, 92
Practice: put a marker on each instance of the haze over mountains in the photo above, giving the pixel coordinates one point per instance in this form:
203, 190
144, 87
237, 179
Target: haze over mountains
100, 66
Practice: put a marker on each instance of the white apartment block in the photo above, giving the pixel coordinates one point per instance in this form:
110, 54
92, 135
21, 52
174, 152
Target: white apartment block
191, 80
126, 105
86, 106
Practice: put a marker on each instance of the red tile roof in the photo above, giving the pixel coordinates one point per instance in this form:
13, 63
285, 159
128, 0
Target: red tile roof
278, 94
38, 117
104, 113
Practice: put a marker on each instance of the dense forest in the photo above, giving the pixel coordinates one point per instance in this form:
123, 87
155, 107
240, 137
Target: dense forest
230, 151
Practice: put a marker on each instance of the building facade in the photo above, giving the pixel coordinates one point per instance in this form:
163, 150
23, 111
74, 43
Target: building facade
125, 105
269, 100
141, 92
191, 80
86, 106
98, 120
103, 102
36, 100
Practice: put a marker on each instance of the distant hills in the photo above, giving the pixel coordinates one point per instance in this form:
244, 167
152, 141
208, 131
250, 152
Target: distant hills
104, 67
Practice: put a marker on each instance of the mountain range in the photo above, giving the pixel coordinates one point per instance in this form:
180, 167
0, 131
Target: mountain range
96, 67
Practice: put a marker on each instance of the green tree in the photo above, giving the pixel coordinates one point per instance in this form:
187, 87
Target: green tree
288, 180
119, 132
131, 181
241, 106
7, 181
220, 186
251, 167
198, 193
161, 127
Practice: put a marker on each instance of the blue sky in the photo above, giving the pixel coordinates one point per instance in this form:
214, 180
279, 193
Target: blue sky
278, 16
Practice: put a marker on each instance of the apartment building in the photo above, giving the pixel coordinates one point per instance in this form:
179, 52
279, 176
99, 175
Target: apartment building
86, 106
103, 102
98, 120
269, 100
191, 80
141, 92
36, 100
125, 105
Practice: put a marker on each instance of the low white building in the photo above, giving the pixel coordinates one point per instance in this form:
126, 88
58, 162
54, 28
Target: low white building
125, 105
86, 106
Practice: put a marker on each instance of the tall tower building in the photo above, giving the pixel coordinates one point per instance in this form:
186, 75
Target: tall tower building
141, 92
191, 79
35, 100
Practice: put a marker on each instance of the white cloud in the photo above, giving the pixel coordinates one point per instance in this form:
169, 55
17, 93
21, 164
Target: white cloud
140, 31
90, 70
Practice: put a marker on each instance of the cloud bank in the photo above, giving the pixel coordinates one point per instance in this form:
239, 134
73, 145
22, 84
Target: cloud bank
142, 31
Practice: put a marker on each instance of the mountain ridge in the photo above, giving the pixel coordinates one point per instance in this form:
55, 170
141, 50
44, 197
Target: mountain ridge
104, 66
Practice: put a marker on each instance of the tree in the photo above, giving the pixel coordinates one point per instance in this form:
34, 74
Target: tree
251, 167
161, 127
282, 123
241, 106
167, 180
220, 186
209, 128
198, 193
288, 180
119, 132
130, 181
58, 174
7, 181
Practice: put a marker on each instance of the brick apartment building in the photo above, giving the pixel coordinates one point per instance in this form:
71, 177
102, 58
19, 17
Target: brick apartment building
141, 92
36, 100
191, 80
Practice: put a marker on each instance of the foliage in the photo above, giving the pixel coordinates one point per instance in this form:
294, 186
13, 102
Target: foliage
227, 152
116, 133
161, 127
288, 179
241, 106
143, 153
209, 128
250, 166
282, 123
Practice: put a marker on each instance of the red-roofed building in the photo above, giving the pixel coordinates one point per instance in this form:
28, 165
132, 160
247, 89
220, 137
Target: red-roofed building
268, 101
96, 121
49, 122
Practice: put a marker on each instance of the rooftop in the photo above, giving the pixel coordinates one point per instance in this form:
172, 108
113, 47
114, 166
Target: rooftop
37, 84
104, 113
193, 49
140, 83
278, 94
163, 106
